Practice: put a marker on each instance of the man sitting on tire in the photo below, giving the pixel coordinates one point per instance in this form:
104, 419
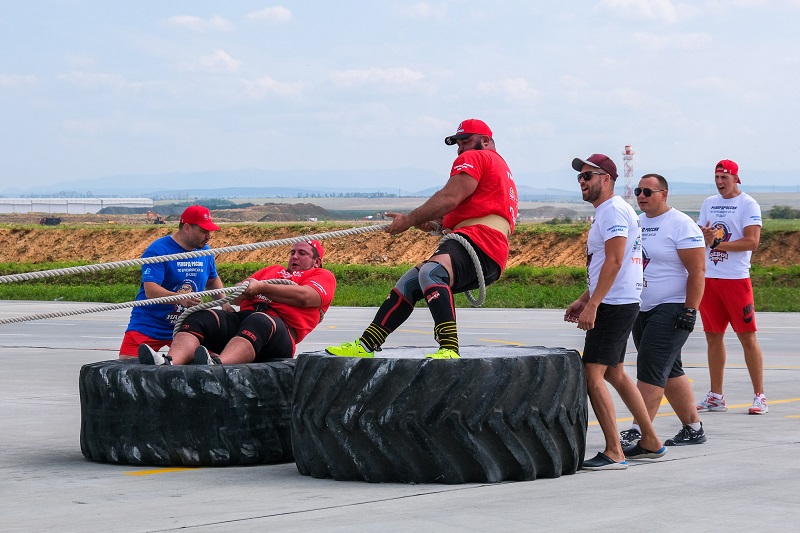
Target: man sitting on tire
271, 320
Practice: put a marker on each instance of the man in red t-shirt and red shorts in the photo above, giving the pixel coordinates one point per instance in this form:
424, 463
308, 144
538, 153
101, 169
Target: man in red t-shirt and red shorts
479, 203
271, 320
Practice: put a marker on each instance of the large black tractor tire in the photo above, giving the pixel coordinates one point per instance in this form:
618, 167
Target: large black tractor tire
496, 414
186, 415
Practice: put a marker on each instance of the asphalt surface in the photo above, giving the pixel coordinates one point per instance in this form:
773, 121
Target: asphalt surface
746, 477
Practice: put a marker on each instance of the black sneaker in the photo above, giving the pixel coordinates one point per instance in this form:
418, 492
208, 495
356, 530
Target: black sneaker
687, 436
637, 452
203, 357
148, 356
629, 437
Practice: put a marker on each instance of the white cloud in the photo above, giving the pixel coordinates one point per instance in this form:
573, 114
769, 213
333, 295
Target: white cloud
273, 15
422, 10
678, 41
663, 10
193, 23
514, 88
94, 80
380, 76
16, 80
266, 85
219, 61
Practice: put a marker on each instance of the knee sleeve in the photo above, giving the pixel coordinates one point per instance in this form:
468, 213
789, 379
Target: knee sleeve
257, 329
432, 274
203, 324
408, 286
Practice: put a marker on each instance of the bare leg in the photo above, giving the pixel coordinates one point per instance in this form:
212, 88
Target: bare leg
632, 398
183, 347
652, 395
681, 398
603, 407
238, 351
716, 360
753, 359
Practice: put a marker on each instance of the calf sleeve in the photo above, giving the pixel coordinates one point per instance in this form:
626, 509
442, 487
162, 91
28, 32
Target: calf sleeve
392, 313
435, 283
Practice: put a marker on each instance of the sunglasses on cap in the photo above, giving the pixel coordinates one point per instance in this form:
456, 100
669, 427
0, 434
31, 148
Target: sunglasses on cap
586, 176
647, 192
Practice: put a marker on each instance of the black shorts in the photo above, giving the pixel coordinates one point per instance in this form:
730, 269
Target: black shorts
607, 341
466, 279
659, 344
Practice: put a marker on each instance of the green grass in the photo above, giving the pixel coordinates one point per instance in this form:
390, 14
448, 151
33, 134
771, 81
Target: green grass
775, 288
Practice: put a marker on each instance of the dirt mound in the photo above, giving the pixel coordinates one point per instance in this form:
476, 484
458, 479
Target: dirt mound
97, 244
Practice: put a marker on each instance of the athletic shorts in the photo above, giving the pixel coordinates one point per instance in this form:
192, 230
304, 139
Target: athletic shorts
607, 342
659, 344
132, 340
728, 301
466, 278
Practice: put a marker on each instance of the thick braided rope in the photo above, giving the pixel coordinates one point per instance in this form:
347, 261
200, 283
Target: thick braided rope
186, 255
474, 302
111, 307
221, 301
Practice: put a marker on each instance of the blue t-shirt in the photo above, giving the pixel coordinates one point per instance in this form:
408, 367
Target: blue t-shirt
184, 275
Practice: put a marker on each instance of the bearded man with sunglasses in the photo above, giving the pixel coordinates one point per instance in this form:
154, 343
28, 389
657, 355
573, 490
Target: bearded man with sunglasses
271, 320
673, 253
608, 309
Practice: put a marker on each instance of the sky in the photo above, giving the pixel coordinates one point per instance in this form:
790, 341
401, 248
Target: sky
93, 88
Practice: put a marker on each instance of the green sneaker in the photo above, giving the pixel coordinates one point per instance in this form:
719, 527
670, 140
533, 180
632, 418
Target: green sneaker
443, 353
349, 349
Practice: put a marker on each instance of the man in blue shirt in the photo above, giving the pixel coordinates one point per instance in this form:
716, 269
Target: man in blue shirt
153, 324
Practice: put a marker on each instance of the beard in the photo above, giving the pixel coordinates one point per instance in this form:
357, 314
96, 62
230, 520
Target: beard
477, 145
591, 195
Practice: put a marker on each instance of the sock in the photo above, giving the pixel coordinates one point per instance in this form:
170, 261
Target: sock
392, 313
695, 426
636, 427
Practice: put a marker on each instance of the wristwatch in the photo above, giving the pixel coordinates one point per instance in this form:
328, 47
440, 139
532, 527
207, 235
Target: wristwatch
716, 243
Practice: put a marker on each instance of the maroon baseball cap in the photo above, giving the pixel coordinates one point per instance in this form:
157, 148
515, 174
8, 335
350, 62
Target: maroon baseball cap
728, 167
600, 161
468, 127
199, 216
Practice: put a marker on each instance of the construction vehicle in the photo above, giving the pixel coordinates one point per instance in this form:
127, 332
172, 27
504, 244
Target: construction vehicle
154, 218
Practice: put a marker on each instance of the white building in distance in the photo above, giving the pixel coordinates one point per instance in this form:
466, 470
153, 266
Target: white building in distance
69, 206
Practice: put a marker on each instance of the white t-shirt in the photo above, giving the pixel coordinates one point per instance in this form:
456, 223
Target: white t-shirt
730, 217
664, 273
615, 218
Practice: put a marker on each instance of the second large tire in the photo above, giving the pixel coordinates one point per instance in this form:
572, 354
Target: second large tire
496, 414
186, 415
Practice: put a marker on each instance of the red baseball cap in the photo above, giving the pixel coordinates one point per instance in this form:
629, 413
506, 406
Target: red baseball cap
468, 127
318, 247
600, 161
728, 167
199, 216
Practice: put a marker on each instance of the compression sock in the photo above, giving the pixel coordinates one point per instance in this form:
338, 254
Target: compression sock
393, 312
440, 303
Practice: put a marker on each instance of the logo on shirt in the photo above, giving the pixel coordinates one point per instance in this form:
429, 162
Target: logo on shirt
462, 167
645, 258
722, 233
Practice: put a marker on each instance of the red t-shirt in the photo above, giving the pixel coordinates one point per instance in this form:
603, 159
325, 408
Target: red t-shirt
302, 319
496, 195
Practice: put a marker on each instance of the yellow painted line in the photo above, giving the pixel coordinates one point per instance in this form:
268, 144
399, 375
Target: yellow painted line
737, 406
159, 471
429, 332
503, 342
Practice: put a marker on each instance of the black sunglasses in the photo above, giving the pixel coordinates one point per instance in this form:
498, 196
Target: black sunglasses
586, 176
647, 192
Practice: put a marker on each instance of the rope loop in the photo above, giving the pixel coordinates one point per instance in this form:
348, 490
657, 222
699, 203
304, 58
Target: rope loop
473, 301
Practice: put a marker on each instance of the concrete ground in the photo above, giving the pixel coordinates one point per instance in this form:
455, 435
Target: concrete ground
746, 477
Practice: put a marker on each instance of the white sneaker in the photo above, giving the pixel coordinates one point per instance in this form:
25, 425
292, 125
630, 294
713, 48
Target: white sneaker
713, 402
759, 406
148, 356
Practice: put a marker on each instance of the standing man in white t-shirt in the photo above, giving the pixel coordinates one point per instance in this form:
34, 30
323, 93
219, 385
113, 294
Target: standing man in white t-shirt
731, 224
674, 260
608, 309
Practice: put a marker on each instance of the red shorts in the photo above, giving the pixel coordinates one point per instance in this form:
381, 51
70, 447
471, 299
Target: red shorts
728, 301
132, 340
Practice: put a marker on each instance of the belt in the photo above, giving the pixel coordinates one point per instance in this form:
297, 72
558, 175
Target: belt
495, 222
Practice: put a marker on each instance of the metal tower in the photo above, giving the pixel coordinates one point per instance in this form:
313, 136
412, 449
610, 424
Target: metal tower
627, 157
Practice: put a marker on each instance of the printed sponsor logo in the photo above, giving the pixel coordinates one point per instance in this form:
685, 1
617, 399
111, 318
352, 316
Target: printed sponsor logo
249, 334
432, 296
462, 167
721, 232
748, 312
